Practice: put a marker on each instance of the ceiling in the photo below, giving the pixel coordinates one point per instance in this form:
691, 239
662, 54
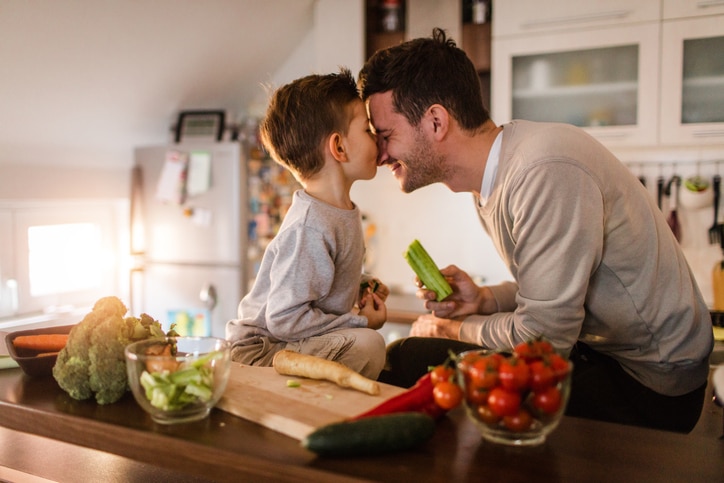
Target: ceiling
84, 81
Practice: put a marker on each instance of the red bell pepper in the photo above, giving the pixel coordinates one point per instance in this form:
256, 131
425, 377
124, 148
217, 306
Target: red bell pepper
418, 398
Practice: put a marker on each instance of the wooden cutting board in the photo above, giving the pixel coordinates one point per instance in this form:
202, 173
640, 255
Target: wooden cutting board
261, 395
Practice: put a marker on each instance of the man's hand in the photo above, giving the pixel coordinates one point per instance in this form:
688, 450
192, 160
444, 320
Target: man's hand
430, 326
466, 298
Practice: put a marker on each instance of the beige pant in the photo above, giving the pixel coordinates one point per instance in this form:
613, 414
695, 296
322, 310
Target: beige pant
362, 350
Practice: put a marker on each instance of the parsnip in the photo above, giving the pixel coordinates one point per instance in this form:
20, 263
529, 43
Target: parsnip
290, 363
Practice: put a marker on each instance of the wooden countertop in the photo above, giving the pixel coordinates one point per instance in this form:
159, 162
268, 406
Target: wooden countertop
404, 308
42, 429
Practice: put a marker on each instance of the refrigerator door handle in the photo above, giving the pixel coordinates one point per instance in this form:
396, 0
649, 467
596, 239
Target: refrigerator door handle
208, 296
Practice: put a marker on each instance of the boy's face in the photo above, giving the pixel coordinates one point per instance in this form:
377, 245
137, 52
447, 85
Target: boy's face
361, 145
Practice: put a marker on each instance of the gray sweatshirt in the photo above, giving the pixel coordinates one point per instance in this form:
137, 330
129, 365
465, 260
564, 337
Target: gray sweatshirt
309, 278
593, 260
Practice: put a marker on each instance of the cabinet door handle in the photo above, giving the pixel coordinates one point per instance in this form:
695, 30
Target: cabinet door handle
708, 133
574, 19
709, 3
611, 135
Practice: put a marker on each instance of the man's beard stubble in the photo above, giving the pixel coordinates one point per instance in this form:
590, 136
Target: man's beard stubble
423, 166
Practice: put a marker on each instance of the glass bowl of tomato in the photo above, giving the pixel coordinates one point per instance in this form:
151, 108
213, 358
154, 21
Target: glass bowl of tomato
517, 397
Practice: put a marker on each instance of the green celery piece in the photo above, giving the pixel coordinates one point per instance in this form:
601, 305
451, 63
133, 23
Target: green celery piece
426, 270
185, 376
201, 391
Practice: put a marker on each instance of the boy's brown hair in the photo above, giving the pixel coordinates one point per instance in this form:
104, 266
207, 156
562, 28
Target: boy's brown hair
302, 114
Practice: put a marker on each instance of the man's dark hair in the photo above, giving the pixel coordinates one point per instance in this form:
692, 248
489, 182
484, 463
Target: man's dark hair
426, 71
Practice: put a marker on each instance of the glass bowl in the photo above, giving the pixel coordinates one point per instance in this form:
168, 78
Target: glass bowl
514, 409
178, 379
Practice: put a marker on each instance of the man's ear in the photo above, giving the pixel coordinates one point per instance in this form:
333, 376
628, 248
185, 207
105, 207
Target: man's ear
336, 147
438, 121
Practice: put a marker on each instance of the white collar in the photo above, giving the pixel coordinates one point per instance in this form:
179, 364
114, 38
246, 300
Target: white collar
491, 168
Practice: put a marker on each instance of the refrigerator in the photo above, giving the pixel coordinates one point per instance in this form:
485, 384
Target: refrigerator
201, 216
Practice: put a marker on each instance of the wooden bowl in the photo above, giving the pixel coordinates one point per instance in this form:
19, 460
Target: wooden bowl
31, 362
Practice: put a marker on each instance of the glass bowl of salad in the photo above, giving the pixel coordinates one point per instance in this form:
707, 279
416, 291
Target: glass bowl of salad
517, 397
178, 379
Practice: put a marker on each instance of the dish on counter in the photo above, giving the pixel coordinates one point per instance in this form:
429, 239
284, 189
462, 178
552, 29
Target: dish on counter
34, 363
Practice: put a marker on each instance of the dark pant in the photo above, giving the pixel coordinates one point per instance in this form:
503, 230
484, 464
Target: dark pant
600, 388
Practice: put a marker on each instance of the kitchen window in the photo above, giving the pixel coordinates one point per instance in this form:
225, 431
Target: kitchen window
63, 257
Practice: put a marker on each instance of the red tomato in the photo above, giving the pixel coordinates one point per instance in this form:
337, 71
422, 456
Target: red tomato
467, 360
548, 400
533, 349
483, 373
486, 415
559, 365
503, 402
514, 374
447, 394
518, 422
476, 396
441, 373
541, 375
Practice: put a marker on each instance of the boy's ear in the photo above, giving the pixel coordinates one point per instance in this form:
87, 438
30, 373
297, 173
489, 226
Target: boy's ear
336, 147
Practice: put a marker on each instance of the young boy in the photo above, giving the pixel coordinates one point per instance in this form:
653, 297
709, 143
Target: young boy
309, 281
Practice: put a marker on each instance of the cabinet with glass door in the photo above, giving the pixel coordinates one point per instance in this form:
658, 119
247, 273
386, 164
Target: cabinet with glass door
603, 80
692, 80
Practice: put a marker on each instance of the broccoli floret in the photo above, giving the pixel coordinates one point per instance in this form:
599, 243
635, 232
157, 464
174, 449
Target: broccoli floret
93, 362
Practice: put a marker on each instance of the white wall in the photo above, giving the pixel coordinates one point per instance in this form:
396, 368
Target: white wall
445, 223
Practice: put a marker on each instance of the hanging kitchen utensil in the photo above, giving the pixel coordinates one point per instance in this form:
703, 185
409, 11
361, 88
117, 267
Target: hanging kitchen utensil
672, 191
659, 190
714, 229
717, 277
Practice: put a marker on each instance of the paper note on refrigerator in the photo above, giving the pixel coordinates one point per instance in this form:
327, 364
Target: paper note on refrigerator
171, 187
199, 173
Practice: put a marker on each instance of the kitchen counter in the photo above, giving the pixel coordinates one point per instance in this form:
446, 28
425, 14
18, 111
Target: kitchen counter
45, 433
403, 308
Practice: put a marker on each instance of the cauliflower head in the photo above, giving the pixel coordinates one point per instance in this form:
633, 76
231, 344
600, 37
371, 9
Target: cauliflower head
93, 363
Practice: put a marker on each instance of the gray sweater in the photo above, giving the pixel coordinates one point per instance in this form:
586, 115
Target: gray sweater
309, 278
593, 259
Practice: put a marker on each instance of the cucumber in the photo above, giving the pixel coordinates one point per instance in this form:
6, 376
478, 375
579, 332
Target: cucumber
374, 435
426, 270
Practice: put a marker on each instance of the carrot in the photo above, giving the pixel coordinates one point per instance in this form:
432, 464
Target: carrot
291, 363
41, 342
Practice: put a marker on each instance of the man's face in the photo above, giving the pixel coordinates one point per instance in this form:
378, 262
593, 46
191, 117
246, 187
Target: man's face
404, 148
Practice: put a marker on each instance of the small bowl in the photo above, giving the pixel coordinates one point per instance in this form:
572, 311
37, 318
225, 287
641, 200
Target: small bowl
696, 199
34, 363
541, 415
182, 387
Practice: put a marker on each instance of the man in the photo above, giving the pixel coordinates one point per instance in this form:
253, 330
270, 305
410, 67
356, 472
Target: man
597, 270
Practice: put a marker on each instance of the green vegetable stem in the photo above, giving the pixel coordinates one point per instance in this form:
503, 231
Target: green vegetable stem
193, 383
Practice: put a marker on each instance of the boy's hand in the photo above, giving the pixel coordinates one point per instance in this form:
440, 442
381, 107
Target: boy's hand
373, 286
373, 307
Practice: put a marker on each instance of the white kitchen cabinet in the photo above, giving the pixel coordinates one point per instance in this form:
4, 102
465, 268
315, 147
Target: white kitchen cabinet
691, 8
692, 80
528, 17
604, 79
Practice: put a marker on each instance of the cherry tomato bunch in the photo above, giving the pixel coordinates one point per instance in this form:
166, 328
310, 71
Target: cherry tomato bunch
515, 391
445, 391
